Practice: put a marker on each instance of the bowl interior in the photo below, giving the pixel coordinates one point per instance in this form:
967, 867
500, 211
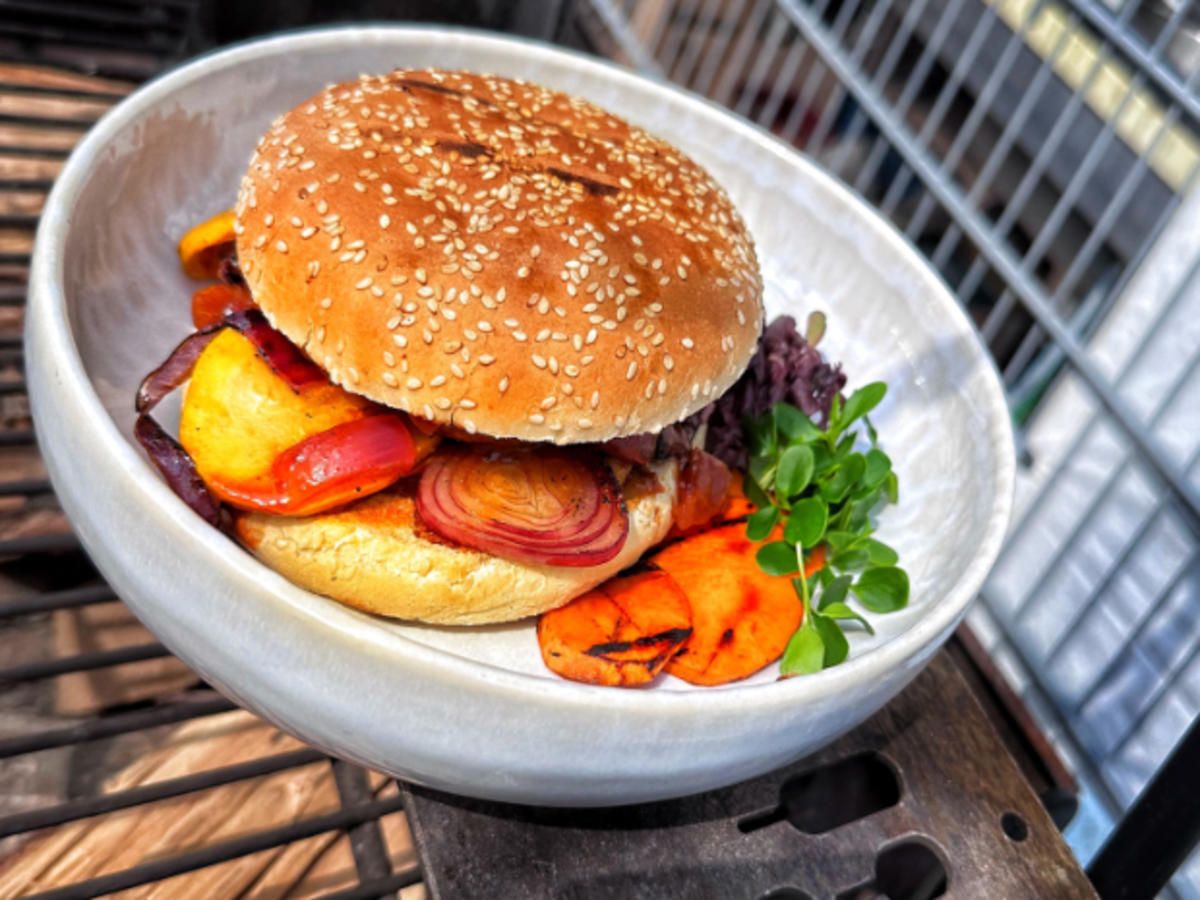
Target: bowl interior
178, 160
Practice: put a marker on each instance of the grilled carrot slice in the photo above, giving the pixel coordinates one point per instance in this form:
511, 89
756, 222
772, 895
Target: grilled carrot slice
621, 634
742, 618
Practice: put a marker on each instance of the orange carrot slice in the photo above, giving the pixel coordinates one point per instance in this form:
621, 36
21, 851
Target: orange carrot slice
200, 250
621, 634
742, 618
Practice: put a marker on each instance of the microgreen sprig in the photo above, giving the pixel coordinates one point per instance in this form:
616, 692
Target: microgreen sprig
823, 491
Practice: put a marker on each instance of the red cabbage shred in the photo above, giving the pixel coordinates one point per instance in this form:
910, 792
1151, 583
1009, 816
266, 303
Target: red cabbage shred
784, 368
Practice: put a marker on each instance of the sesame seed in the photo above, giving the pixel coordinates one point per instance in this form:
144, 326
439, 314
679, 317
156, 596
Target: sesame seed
281, 246
400, 340
385, 220
326, 302
503, 384
443, 403
308, 232
688, 343
390, 380
537, 419
595, 401
413, 383
668, 363
363, 283
438, 381
539, 361
631, 371
523, 272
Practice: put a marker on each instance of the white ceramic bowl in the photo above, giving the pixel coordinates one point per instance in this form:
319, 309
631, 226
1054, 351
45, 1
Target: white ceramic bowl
472, 710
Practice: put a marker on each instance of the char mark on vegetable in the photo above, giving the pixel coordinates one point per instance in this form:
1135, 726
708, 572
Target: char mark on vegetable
671, 636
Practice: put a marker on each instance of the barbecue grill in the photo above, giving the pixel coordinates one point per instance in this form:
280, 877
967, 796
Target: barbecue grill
954, 117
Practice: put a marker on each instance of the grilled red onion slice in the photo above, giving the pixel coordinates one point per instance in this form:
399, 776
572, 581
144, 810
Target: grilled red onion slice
175, 370
277, 351
178, 470
537, 505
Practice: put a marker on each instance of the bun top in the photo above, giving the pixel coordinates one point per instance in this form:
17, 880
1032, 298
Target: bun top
491, 254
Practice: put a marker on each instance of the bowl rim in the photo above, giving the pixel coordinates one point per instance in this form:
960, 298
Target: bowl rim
47, 305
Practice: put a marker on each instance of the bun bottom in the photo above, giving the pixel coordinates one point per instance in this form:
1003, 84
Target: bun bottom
376, 556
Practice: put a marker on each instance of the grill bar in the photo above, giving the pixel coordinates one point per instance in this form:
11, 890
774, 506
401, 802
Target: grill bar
198, 859
366, 839
82, 662
40, 543
161, 790
25, 487
38, 603
18, 438
111, 725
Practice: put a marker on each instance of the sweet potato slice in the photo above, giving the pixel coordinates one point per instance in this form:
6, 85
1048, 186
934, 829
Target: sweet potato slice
621, 634
201, 249
742, 618
737, 504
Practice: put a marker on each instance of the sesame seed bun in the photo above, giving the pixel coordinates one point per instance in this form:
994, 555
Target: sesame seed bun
374, 556
494, 255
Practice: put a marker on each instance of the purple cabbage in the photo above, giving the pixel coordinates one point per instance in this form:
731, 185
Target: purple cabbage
784, 368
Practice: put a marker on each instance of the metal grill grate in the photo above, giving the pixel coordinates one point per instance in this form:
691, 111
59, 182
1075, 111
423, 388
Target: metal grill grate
991, 133
1043, 153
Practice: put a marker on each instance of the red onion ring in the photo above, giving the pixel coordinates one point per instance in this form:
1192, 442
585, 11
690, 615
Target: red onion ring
530, 504
175, 370
179, 471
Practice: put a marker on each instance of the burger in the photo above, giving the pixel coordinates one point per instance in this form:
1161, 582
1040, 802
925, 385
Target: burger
486, 336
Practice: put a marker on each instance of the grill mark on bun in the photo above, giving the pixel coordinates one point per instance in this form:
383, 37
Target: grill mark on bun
591, 185
428, 86
469, 149
498, 256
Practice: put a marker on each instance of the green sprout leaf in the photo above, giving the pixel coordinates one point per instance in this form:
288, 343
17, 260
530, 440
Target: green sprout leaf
794, 471
804, 654
777, 558
862, 401
879, 553
883, 589
835, 488
806, 522
835, 592
761, 522
842, 612
795, 425
837, 648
